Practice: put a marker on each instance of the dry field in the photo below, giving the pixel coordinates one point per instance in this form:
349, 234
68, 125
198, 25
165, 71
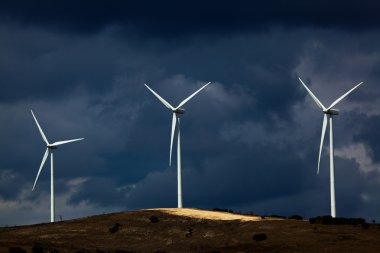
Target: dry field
188, 230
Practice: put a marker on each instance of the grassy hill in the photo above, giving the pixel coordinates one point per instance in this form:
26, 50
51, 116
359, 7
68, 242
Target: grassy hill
188, 230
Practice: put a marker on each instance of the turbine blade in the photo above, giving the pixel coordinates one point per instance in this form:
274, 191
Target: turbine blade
174, 121
319, 104
191, 96
322, 139
64, 142
42, 133
344, 95
169, 106
42, 165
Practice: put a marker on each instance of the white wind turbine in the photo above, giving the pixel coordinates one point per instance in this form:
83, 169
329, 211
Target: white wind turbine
328, 113
177, 111
49, 149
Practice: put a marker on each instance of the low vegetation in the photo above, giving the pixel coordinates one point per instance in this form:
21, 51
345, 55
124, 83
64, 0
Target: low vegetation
153, 219
259, 237
328, 220
295, 217
114, 228
16, 250
191, 230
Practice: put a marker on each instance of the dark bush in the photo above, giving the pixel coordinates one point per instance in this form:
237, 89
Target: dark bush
259, 237
277, 216
114, 228
37, 248
223, 210
328, 220
252, 213
295, 217
16, 250
365, 225
153, 219
189, 232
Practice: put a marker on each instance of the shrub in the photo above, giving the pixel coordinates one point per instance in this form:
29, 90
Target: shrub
365, 225
259, 237
277, 216
328, 220
16, 250
37, 248
295, 217
189, 232
223, 210
153, 219
114, 228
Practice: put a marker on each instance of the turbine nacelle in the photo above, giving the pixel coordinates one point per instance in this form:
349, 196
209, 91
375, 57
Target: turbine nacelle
52, 147
331, 111
179, 111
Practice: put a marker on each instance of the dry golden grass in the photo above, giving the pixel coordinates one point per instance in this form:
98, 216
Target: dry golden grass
208, 215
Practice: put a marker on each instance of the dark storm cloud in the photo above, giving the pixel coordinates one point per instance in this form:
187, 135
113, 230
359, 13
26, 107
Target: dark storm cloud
172, 18
250, 140
7, 182
369, 135
106, 189
350, 186
58, 64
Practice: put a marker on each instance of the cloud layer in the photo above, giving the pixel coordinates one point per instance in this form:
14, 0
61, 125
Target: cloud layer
249, 141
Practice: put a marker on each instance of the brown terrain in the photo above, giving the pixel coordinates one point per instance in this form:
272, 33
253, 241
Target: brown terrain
188, 230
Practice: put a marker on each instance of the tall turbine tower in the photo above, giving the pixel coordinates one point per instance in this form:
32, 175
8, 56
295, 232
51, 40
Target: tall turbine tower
177, 111
328, 112
50, 148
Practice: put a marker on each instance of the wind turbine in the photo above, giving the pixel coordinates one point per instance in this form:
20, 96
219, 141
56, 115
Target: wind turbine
329, 112
177, 111
50, 148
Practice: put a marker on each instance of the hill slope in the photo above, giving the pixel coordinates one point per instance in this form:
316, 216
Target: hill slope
187, 230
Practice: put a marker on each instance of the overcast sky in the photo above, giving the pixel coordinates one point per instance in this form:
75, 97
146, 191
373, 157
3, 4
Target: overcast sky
250, 140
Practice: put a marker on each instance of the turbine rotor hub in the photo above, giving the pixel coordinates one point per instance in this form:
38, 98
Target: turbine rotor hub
332, 112
179, 111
